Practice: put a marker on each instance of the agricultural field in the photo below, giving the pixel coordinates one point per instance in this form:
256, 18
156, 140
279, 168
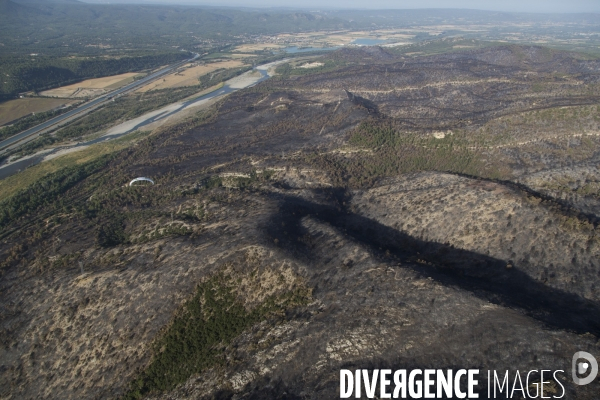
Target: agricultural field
189, 75
245, 48
15, 109
329, 39
239, 56
92, 87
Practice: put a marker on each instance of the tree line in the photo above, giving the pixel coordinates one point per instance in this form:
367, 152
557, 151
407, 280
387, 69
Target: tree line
39, 73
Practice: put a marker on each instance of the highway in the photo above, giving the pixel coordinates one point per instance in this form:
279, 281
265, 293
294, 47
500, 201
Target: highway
163, 114
31, 133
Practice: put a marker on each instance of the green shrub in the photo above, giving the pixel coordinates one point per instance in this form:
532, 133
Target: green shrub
47, 191
194, 340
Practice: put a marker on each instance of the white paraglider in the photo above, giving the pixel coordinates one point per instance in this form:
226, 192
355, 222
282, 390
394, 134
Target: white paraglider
141, 179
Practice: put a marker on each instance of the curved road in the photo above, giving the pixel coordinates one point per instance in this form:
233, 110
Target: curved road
29, 133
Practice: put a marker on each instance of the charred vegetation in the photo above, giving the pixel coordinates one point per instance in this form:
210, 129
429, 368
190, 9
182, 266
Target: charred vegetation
384, 212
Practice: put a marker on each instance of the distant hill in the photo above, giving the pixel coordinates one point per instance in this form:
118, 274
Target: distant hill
47, 1
430, 16
72, 39
131, 17
65, 26
11, 9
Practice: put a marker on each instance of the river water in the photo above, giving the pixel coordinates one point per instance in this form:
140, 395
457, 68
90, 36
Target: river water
367, 42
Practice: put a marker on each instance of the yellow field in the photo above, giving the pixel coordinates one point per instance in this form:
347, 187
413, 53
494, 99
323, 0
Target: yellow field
189, 75
13, 109
256, 47
239, 55
341, 39
91, 87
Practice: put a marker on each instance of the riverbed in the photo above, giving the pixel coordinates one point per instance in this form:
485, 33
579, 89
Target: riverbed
156, 118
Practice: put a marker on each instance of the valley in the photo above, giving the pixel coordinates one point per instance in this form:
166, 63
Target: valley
321, 190
384, 212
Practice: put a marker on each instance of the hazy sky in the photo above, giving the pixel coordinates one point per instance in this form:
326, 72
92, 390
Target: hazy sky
559, 6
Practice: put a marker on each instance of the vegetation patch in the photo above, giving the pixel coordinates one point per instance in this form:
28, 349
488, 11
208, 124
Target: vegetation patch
398, 152
11, 185
47, 190
111, 231
210, 320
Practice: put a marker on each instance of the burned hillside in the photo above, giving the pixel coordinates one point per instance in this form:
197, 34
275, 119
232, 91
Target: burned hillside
384, 213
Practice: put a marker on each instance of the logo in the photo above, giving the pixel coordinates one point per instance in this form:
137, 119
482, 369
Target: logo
580, 367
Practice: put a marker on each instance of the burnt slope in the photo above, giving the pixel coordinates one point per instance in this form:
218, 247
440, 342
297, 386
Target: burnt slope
347, 186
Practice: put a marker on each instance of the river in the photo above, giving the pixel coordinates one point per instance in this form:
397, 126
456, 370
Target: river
240, 82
